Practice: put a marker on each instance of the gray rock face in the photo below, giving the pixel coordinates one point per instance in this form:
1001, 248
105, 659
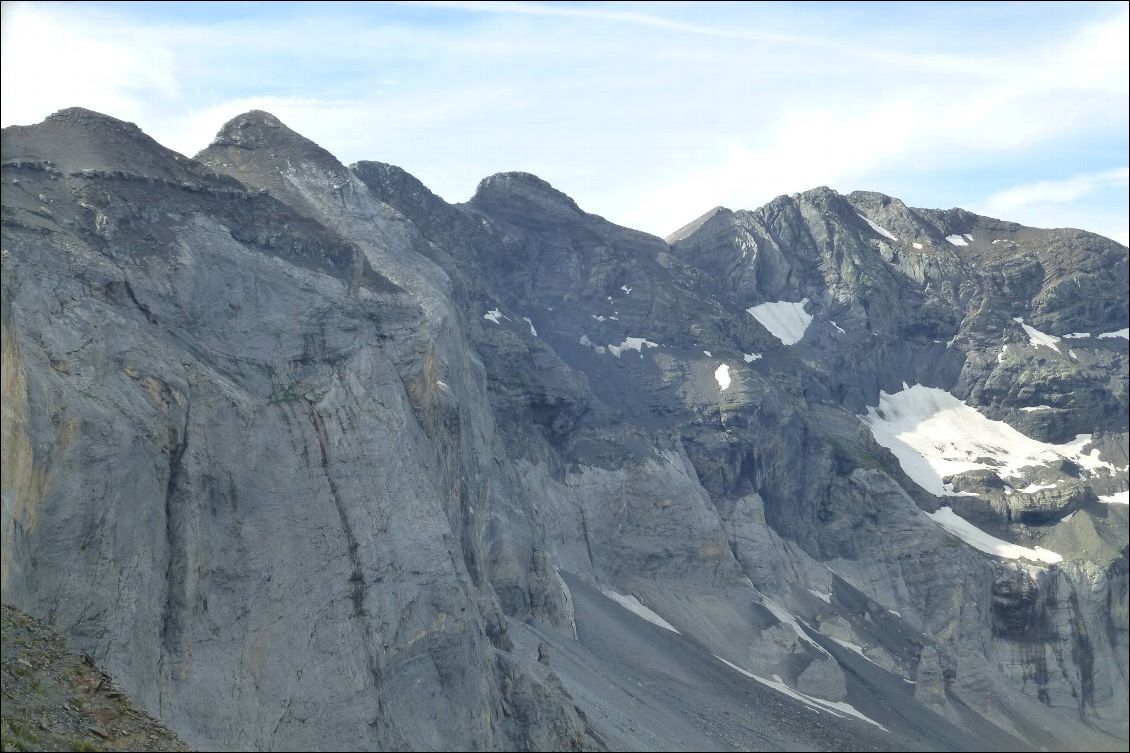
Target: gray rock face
309, 458
930, 687
823, 678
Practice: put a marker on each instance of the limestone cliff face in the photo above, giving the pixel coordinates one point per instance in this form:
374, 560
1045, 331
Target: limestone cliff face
308, 457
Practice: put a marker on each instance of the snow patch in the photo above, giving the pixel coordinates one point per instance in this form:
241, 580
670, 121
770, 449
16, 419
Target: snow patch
917, 246
632, 604
978, 539
838, 328
881, 231
1124, 333
785, 320
494, 315
722, 375
826, 597
859, 650
598, 318
751, 357
1033, 488
533, 331
934, 435
626, 289
1076, 335
787, 618
968, 236
835, 708
1067, 517
708, 354
956, 240
590, 344
1031, 408
1038, 338
1089, 461
1119, 498
632, 343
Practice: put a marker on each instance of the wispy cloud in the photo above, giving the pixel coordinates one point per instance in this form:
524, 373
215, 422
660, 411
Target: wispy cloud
1056, 191
950, 63
1093, 201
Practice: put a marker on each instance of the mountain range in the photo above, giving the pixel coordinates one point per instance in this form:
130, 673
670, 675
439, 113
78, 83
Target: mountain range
308, 458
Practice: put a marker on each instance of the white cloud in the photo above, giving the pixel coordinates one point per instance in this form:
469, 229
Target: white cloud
49, 65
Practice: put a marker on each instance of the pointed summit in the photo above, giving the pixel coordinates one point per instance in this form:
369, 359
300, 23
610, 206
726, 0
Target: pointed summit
259, 150
252, 130
260, 131
692, 227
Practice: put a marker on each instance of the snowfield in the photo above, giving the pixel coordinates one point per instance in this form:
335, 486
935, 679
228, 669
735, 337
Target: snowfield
934, 435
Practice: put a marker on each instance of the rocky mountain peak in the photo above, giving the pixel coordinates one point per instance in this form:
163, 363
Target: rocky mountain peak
253, 130
820, 192
77, 139
826, 200
261, 151
83, 118
398, 187
873, 197
524, 191
721, 213
273, 143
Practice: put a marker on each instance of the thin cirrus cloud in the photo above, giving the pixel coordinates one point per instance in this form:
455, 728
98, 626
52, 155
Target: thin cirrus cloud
646, 113
1057, 191
1062, 202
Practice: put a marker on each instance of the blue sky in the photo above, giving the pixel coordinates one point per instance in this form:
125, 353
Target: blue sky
646, 113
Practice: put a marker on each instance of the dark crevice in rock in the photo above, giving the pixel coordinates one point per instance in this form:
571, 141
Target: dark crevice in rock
1082, 653
149, 317
357, 585
176, 547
